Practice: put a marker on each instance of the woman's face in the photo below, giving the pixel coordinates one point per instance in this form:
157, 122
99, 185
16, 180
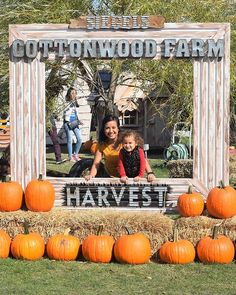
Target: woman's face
111, 130
73, 94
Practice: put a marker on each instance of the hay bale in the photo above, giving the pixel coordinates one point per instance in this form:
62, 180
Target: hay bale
82, 223
180, 168
195, 228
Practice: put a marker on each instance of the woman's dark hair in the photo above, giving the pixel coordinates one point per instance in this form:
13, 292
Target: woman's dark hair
106, 119
68, 94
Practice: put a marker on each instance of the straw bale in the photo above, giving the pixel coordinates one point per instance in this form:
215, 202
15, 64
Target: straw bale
157, 227
195, 228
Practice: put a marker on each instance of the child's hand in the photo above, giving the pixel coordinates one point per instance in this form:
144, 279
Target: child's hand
137, 178
151, 177
88, 177
124, 179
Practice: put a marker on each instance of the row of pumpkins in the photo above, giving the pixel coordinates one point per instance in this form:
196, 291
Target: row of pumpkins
40, 195
132, 248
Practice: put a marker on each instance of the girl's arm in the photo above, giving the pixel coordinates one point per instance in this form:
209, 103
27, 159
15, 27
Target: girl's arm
150, 175
94, 168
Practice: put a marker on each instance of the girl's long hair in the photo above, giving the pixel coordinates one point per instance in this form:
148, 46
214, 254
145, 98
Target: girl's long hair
68, 94
106, 119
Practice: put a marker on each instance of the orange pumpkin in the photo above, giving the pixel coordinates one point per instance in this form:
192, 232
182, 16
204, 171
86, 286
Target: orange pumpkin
11, 195
88, 144
190, 204
63, 247
98, 248
178, 251
5, 243
39, 195
132, 248
28, 246
215, 249
94, 147
221, 201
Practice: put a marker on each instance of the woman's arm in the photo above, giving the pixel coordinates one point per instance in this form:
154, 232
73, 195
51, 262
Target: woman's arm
94, 168
150, 175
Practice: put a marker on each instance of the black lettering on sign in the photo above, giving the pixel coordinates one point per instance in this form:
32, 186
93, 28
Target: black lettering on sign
119, 195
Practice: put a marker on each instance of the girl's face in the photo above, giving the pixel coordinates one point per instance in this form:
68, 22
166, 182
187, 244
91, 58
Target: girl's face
73, 94
129, 143
111, 131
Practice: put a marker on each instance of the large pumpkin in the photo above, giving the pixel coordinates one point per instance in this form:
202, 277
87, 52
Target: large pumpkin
178, 251
39, 195
63, 247
215, 249
98, 248
28, 246
11, 195
132, 248
94, 147
5, 243
190, 204
221, 201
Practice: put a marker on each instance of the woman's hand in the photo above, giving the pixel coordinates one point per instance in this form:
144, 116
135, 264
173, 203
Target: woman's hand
88, 177
123, 179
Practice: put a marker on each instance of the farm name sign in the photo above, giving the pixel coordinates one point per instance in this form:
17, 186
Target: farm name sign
115, 196
118, 48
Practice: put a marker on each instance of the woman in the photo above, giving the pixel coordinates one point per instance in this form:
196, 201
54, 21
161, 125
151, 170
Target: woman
109, 149
70, 117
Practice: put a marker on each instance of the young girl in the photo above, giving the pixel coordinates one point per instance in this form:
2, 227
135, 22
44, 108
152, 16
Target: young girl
132, 161
70, 114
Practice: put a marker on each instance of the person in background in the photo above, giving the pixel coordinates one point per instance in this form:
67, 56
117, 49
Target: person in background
70, 115
131, 157
52, 132
109, 148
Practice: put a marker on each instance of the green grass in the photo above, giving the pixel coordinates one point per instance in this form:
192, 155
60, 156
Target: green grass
156, 163
75, 278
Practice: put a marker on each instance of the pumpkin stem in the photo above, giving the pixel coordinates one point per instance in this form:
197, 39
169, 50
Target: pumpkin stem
100, 229
26, 227
221, 184
190, 189
175, 234
40, 177
216, 230
129, 231
66, 232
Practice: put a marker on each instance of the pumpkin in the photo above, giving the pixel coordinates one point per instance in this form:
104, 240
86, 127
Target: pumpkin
63, 246
190, 204
177, 251
215, 249
11, 195
28, 246
39, 195
94, 147
221, 201
132, 248
98, 248
88, 144
5, 243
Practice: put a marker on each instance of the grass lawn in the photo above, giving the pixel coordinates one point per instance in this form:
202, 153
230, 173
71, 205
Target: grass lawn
75, 278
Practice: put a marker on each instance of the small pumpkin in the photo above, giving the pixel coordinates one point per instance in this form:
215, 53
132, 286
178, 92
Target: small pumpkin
94, 147
98, 248
215, 249
28, 246
190, 204
5, 242
133, 248
221, 201
11, 195
178, 251
39, 195
63, 247
88, 144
